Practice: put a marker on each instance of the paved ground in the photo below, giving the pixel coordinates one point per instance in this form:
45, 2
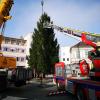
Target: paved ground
33, 91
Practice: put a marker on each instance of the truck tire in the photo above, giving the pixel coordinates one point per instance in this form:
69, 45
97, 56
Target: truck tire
80, 94
60, 87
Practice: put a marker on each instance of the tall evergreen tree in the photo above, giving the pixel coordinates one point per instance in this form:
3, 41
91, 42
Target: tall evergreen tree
44, 51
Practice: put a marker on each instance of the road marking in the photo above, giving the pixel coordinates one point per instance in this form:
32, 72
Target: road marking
51, 93
14, 98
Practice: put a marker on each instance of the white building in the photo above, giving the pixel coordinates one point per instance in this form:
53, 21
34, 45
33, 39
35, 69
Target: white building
14, 47
28, 37
64, 55
79, 52
72, 55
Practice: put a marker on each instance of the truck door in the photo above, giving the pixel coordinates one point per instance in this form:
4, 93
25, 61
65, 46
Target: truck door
60, 74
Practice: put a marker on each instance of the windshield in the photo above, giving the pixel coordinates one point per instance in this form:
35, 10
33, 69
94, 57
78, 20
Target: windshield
59, 71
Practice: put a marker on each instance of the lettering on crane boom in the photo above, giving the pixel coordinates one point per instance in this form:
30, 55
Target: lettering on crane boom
90, 36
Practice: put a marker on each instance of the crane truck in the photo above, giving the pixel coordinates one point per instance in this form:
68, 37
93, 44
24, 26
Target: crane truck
87, 85
9, 73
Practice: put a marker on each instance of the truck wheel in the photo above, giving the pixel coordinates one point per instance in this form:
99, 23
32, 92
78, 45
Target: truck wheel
58, 85
80, 94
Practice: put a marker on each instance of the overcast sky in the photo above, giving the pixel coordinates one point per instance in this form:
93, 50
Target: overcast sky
77, 14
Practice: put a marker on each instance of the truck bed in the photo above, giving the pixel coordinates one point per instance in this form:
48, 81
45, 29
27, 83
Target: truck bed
88, 83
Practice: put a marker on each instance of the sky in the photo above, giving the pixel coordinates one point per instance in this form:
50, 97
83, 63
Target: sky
77, 14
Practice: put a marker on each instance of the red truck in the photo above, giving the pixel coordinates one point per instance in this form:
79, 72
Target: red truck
87, 86
84, 88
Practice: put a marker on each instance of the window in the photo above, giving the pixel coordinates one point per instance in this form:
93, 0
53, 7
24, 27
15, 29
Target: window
18, 58
12, 50
59, 71
18, 43
78, 54
22, 59
67, 59
7, 41
23, 50
5, 49
13, 42
17, 50
23, 43
63, 59
86, 53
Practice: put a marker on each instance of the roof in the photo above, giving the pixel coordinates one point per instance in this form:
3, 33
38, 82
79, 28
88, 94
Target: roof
80, 44
22, 39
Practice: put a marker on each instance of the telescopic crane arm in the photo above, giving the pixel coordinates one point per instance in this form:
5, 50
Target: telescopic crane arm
86, 37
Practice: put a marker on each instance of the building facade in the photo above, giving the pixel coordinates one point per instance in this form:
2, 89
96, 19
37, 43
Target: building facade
28, 38
14, 47
64, 55
79, 52
72, 55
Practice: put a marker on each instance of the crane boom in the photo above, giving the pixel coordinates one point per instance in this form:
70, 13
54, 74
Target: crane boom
5, 7
86, 37
90, 39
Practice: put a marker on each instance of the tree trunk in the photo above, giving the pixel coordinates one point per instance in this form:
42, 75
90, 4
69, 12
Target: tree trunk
41, 78
43, 75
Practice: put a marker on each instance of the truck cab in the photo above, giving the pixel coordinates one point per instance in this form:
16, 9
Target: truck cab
82, 86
